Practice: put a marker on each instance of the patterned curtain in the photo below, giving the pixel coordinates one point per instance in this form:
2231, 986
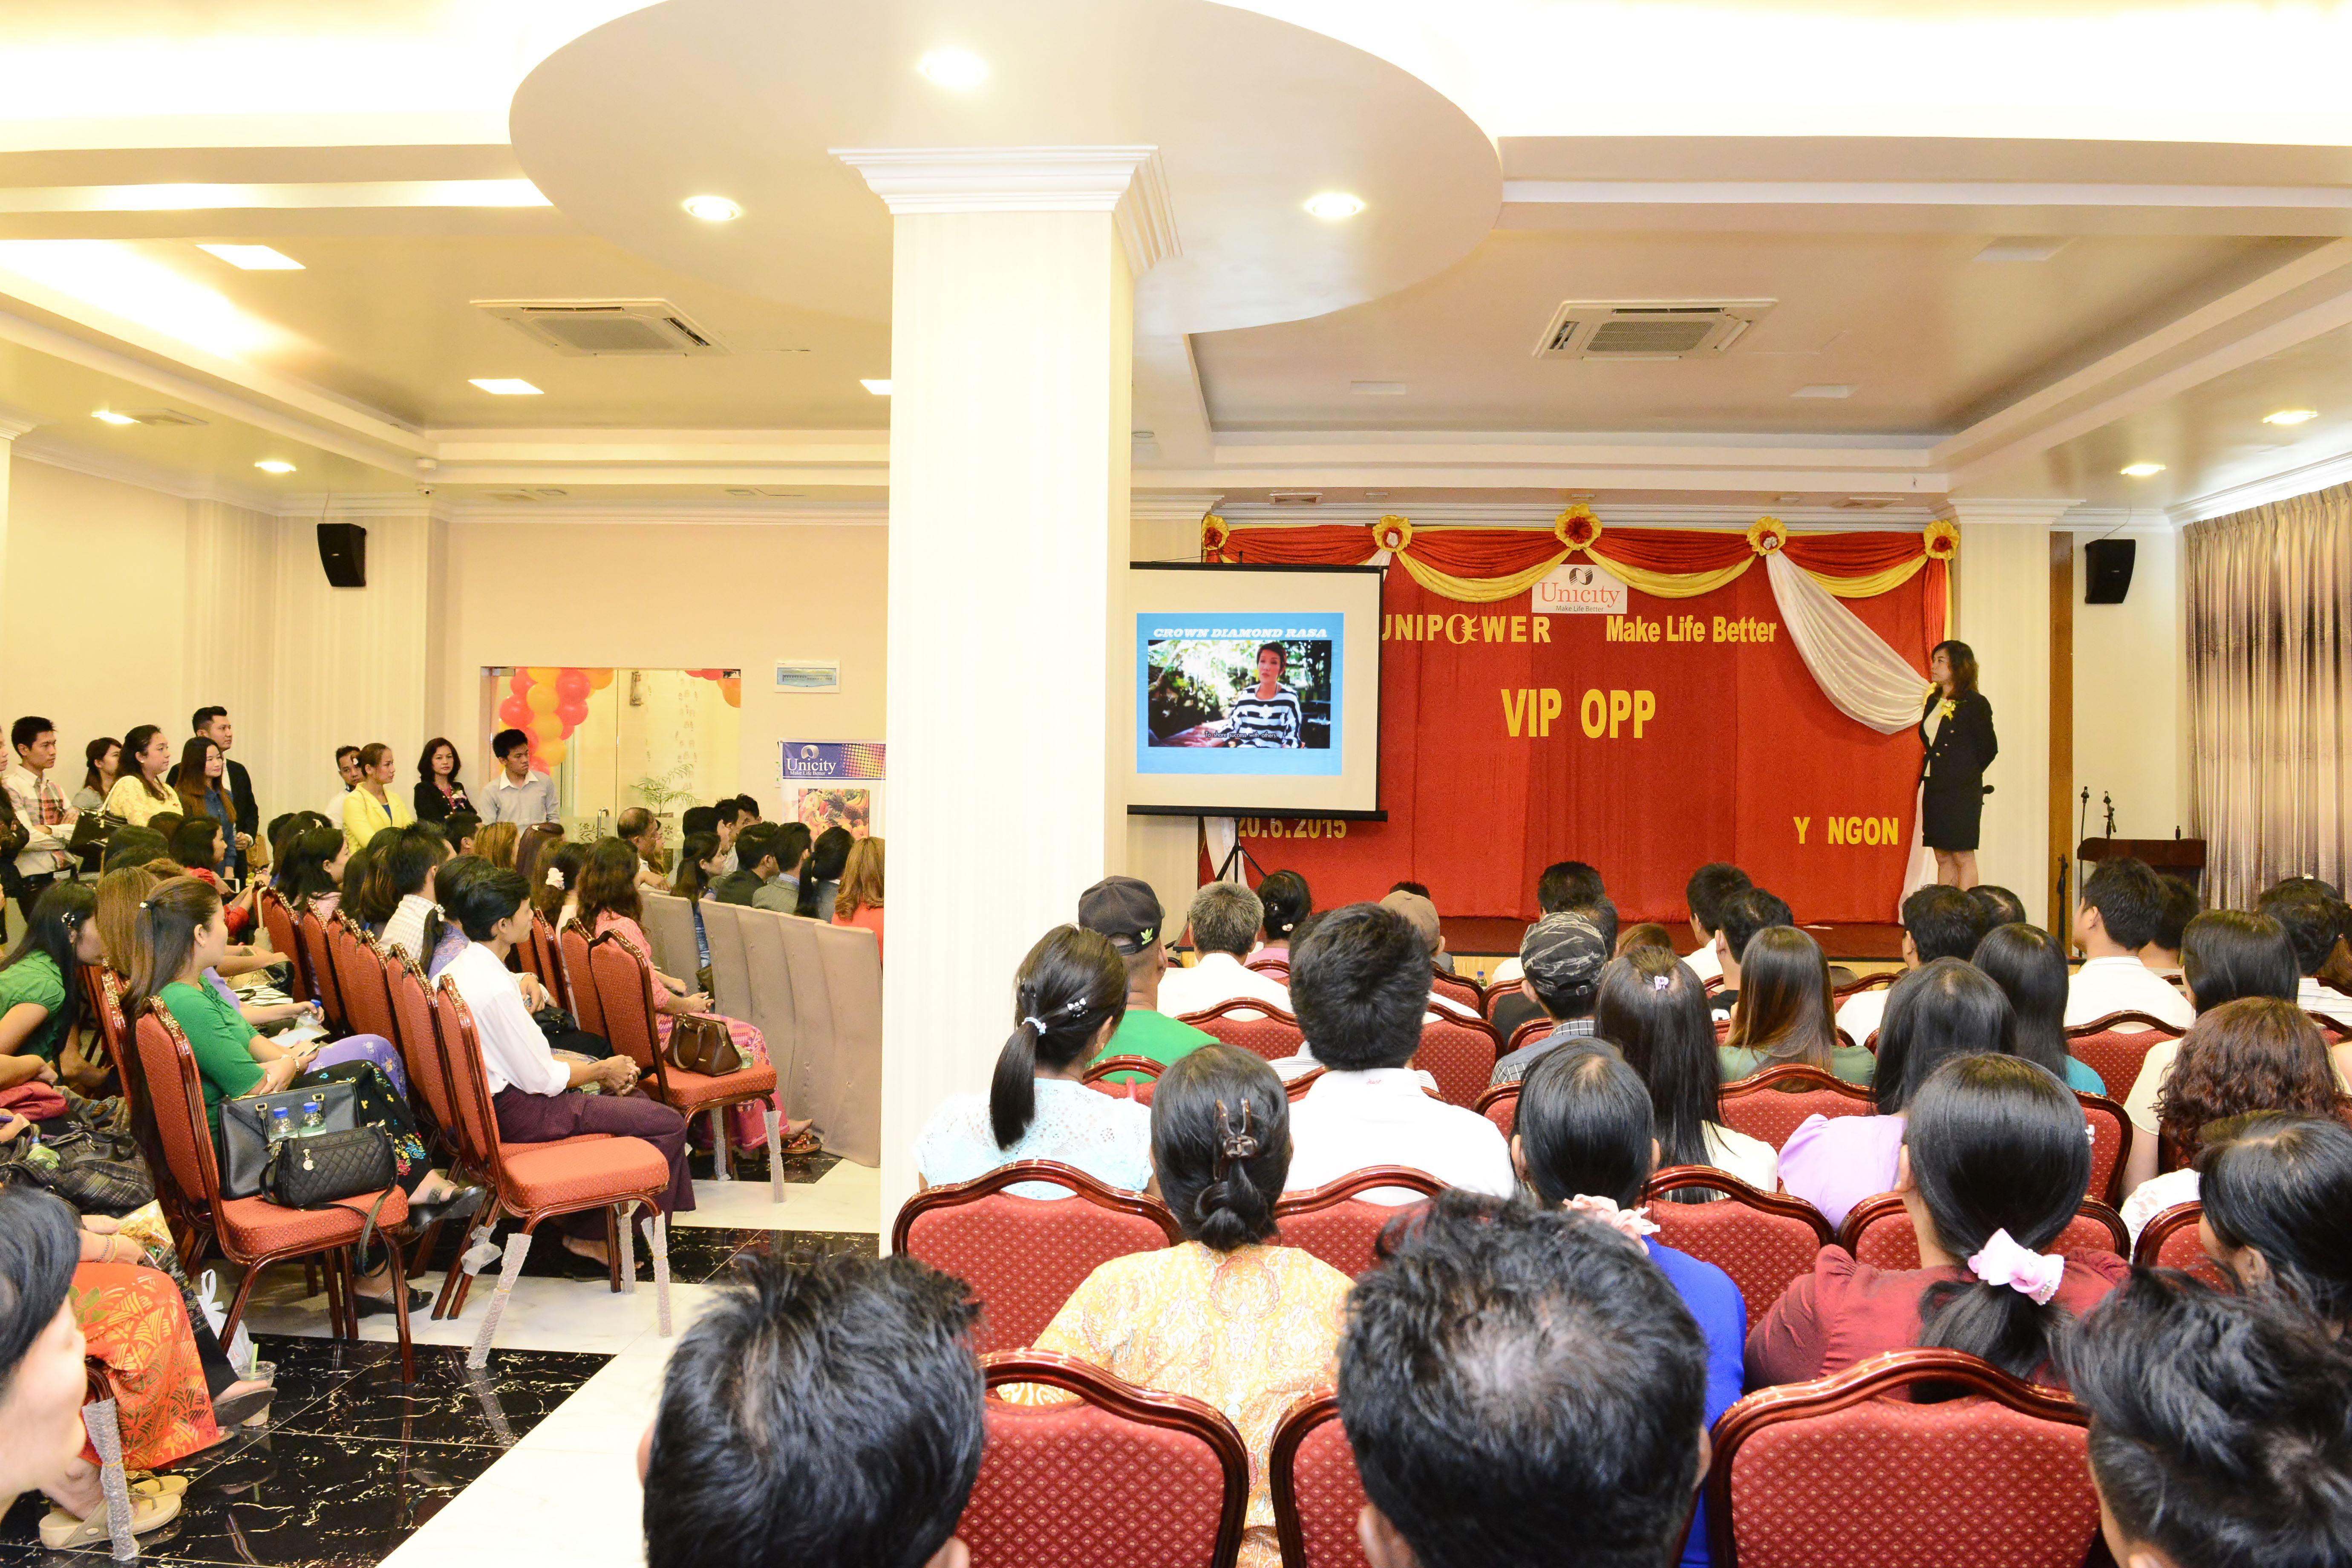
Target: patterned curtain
2270, 693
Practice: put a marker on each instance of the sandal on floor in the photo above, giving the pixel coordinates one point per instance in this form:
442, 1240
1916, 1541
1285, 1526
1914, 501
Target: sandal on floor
807, 1143
147, 1483
61, 1531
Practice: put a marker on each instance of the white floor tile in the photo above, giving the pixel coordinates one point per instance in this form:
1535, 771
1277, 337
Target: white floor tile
580, 1508
846, 1198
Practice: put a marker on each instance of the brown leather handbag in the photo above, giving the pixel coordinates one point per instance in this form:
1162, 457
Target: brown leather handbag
701, 1044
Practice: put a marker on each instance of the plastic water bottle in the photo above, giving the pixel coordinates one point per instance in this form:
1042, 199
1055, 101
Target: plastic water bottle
281, 1124
314, 1115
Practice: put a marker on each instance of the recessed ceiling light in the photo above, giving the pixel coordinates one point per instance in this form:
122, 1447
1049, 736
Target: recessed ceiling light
880, 388
1334, 205
712, 210
2016, 248
112, 417
956, 70
505, 386
2141, 470
253, 258
1377, 388
274, 466
1785, 500
2291, 417
1825, 389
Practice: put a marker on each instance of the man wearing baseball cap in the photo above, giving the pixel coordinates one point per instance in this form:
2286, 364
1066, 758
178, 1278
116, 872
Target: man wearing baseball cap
1560, 960
1128, 911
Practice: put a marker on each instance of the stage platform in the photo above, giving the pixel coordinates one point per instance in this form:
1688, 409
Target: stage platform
1473, 937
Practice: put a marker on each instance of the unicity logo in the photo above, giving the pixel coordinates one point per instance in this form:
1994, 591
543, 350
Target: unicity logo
811, 763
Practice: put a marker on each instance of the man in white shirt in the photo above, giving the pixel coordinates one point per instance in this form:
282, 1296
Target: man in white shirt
40, 806
347, 763
2315, 924
1564, 885
1360, 979
1224, 918
2123, 904
517, 794
1939, 921
1708, 886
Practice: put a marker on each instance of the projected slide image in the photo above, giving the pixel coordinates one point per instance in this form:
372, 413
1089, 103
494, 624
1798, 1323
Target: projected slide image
1239, 693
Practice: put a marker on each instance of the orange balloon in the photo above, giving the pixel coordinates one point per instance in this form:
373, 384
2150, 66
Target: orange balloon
550, 753
544, 674
732, 688
599, 678
541, 699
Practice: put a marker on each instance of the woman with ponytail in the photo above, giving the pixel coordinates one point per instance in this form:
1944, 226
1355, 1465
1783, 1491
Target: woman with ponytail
1995, 1161
1067, 1004
1287, 901
1225, 1317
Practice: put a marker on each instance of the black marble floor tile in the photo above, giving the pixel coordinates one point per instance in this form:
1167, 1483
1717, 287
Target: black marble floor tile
448, 1403
800, 1170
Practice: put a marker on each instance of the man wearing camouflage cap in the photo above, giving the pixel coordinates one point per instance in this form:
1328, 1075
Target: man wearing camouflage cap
1560, 960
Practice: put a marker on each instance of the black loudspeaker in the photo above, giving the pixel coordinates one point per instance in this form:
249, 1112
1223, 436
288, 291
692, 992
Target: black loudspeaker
2107, 564
343, 551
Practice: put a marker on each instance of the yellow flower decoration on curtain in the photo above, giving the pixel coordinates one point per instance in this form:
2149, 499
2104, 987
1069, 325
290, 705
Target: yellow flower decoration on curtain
1943, 539
1214, 534
1391, 533
1767, 535
1576, 527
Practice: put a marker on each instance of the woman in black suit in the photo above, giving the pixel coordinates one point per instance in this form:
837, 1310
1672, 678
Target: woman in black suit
1957, 729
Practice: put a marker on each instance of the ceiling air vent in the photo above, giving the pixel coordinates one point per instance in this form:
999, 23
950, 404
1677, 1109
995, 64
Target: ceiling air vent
1295, 498
160, 417
1646, 329
605, 328
1865, 503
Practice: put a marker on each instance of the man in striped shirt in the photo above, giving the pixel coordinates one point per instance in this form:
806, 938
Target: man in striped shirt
1265, 714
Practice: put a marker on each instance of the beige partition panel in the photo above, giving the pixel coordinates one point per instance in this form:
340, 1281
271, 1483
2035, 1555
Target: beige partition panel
669, 926
731, 978
834, 1081
774, 1005
853, 974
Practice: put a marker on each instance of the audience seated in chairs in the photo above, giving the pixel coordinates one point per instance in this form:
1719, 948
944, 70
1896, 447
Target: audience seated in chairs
102, 760
860, 903
43, 1035
1126, 912
2029, 964
2226, 955
1587, 1140
1225, 918
1742, 915
1706, 892
1228, 1316
826, 1411
1564, 885
1286, 901
2221, 1428
2256, 1053
1560, 960
820, 884
697, 869
1648, 933
196, 849
309, 874
1939, 921
1359, 978
2001, 907
759, 851
2122, 911
1942, 1010
1511, 1009
2181, 905
1653, 1008
1522, 1388
2276, 1189
1783, 1012
2315, 921
1067, 1001
405, 873
1994, 1165
641, 830
555, 880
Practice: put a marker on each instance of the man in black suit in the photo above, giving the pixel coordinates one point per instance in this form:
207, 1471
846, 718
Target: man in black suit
212, 724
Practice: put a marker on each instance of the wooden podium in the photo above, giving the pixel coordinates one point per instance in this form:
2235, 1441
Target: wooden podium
2184, 856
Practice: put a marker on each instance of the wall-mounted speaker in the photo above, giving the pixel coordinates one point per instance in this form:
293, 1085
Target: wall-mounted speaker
2107, 570
343, 551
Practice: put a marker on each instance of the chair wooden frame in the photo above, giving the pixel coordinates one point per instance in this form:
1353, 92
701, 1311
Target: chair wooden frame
319, 969
286, 936
1270, 966
1145, 1406
1235, 1008
1679, 1178
1496, 1094
1281, 1472
555, 958
1526, 1035
2112, 1193
1793, 1075
1110, 1065
1351, 1188
1295, 1089
1052, 1171
2149, 1250
1857, 1384
360, 979
1868, 983
1439, 981
2156, 1029
1881, 1205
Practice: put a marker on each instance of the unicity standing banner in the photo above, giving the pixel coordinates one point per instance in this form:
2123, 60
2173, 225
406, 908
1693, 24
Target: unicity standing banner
1585, 719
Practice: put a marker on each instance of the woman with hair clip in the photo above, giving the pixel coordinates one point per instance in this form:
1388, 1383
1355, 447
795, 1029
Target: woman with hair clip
1956, 727
2276, 1188
2029, 964
555, 885
2256, 1054
1993, 1166
311, 871
1287, 901
1653, 1007
1586, 1139
1226, 1316
820, 876
402, 874
1784, 1013
140, 794
1067, 1001
1940, 1010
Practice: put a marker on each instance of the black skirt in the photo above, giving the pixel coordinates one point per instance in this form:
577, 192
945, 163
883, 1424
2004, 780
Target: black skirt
1950, 811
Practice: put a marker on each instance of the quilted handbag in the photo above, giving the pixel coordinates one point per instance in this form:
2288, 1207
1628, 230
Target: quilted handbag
701, 1044
328, 1167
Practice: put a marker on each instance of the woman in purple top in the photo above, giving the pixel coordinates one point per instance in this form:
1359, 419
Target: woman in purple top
1939, 1011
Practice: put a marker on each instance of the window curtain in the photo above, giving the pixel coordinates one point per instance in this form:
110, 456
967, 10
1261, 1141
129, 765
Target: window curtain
2270, 693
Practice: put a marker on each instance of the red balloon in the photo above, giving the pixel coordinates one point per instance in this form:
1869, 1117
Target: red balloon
572, 685
518, 682
514, 712
571, 711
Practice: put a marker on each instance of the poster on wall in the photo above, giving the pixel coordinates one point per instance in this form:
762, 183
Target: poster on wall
828, 762
805, 676
852, 808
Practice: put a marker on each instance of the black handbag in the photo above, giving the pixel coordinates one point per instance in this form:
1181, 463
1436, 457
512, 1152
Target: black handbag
328, 1167
244, 1123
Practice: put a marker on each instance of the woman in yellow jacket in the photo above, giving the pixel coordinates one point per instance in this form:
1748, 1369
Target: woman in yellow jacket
140, 792
372, 807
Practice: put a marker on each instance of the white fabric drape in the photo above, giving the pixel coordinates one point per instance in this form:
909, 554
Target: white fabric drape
1220, 836
1863, 676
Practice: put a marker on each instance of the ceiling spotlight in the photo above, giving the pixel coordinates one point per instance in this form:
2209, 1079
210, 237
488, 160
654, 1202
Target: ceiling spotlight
712, 210
253, 258
2291, 417
2141, 470
955, 69
274, 466
112, 417
1334, 205
880, 388
1825, 389
505, 386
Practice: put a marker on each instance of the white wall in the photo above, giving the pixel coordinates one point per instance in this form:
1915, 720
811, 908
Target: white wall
2131, 693
2001, 609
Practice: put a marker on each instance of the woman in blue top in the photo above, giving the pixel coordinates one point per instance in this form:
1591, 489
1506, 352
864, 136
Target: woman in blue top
1587, 1139
2029, 964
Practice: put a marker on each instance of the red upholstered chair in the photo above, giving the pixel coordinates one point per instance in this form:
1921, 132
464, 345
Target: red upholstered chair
1255, 1026
106, 989
360, 979
1122, 1477
1773, 1104
1024, 1255
278, 921
1310, 1472
318, 968
253, 1233
2170, 1241
622, 980
1500, 1105
534, 1181
2111, 1142
1868, 983
1097, 1076
1836, 1472
1339, 1224
2335, 1031
1460, 988
1878, 1232
1460, 1054
1277, 967
1527, 1033
566, 958
2114, 1046
1296, 1088
1763, 1240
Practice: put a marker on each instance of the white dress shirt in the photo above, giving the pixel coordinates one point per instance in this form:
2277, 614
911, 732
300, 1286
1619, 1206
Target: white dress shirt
1704, 962
45, 849
1350, 1120
514, 1051
405, 929
1861, 1014
534, 800
2124, 985
1218, 977
2313, 998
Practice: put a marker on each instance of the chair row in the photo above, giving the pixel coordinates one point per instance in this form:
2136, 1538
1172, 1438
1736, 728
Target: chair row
1460, 1053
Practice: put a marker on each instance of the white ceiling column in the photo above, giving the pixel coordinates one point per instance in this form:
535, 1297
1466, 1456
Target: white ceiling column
11, 425
1012, 341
